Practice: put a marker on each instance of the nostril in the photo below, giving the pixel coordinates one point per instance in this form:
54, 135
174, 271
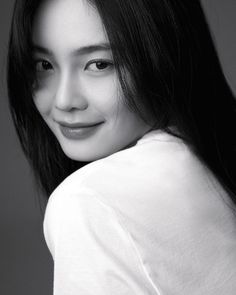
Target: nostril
71, 107
70, 101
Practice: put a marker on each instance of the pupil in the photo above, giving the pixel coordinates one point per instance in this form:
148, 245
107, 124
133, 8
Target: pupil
101, 65
46, 65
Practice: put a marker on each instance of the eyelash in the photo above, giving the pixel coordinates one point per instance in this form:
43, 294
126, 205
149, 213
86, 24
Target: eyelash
41, 62
108, 64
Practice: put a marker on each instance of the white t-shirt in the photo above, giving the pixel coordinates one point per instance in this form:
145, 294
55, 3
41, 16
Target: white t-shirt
150, 219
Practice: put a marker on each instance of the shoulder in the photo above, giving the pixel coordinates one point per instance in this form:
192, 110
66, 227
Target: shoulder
157, 164
157, 154
157, 176
161, 195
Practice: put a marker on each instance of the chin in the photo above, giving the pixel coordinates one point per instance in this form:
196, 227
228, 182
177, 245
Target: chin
83, 156
88, 152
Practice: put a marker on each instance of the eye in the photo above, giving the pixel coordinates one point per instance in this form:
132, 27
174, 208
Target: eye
99, 65
44, 71
43, 65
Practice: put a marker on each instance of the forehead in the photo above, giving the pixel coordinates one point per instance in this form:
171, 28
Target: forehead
67, 24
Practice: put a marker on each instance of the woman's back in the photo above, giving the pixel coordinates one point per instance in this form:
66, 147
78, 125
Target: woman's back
148, 219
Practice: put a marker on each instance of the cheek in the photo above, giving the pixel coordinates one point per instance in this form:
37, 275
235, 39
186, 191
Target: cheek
105, 95
43, 101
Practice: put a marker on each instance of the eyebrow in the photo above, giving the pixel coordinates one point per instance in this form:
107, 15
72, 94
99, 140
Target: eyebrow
79, 51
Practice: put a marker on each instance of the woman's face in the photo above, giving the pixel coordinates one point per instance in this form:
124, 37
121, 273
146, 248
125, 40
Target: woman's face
77, 89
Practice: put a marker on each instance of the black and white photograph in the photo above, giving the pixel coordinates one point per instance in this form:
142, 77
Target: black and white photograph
118, 147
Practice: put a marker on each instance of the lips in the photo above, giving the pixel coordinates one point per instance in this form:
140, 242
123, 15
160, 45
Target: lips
81, 130
78, 124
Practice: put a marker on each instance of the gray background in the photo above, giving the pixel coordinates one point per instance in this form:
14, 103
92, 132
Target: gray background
26, 266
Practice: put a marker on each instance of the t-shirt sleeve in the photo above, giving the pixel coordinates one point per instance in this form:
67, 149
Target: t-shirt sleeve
93, 252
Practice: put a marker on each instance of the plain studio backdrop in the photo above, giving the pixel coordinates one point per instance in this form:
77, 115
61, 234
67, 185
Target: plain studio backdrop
26, 266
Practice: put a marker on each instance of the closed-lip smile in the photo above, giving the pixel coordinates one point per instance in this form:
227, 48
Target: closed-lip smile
78, 130
78, 124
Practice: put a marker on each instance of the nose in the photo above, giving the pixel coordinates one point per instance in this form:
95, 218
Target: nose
69, 94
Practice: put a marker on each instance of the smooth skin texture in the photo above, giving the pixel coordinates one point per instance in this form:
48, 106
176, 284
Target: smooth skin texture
77, 82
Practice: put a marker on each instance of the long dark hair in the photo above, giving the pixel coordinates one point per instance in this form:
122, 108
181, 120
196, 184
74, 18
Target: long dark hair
166, 48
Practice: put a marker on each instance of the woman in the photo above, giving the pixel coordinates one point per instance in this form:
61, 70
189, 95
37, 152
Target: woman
130, 96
